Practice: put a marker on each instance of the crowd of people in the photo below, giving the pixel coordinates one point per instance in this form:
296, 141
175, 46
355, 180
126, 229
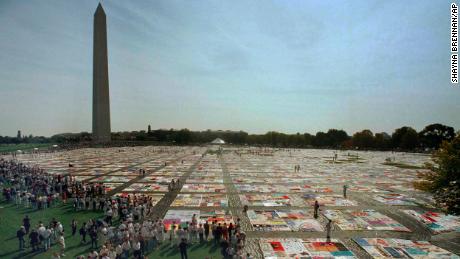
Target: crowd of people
32, 187
127, 229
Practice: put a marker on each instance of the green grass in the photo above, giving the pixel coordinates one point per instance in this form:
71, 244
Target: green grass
23, 146
11, 219
402, 165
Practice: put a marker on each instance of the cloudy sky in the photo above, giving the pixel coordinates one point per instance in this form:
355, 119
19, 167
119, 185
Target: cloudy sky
291, 66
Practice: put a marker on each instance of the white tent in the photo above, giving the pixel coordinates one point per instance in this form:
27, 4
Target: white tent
218, 141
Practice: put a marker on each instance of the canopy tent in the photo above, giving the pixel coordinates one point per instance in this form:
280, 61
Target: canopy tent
218, 141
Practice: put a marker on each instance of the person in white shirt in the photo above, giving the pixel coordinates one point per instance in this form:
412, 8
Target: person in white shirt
126, 247
59, 228
93, 255
112, 253
47, 238
137, 249
103, 235
119, 251
146, 235
110, 234
181, 233
103, 250
61, 242
41, 229
109, 214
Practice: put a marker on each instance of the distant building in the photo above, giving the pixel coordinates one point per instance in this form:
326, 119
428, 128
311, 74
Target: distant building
218, 141
19, 134
149, 129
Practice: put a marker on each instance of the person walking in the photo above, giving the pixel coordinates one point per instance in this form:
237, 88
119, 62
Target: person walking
193, 233
201, 232
230, 232
218, 234
225, 231
183, 249
316, 209
73, 225
47, 238
126, 247
93, 236
33, 236
137, 249
345, 187
26, 223
172, 234
83, 233
61, 242
206, 230
20, 235
328, 231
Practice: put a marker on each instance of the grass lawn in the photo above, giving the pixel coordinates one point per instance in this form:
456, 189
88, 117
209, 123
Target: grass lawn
11, 219
24, 146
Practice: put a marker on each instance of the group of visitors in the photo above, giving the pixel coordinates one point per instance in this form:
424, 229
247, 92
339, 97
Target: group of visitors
230, 237
174, 185
134, 238
42, 236
126, 230
297, 168
31, 187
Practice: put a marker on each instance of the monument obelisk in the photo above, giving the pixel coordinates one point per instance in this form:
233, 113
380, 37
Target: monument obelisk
101, 100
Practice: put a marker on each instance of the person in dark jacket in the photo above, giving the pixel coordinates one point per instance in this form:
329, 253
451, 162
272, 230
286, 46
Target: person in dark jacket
33, 236
223, 248
206, 230
93, 236
83, 233
20, 235
183, 249
26, 223
230, 231
218, 234
74, 227
316, 209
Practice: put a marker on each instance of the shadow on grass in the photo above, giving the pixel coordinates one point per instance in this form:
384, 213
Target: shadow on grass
17, 254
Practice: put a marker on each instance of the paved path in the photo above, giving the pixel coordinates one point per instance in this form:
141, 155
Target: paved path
164, 204
140, 177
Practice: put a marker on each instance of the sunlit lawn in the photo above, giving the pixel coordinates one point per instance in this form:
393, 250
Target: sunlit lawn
11, 219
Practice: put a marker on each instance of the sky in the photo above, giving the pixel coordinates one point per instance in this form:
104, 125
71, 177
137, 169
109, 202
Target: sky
288, 66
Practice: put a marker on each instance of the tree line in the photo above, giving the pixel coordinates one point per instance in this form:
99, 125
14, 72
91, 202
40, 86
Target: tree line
404, 138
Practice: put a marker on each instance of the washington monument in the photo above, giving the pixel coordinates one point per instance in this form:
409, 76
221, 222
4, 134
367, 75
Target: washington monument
101, 100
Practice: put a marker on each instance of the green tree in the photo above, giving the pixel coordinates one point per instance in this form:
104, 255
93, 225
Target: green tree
434, 134
307, 139
335, 137
320, 139
410, 139
382, 140
405, 138
363, 139
443, 179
